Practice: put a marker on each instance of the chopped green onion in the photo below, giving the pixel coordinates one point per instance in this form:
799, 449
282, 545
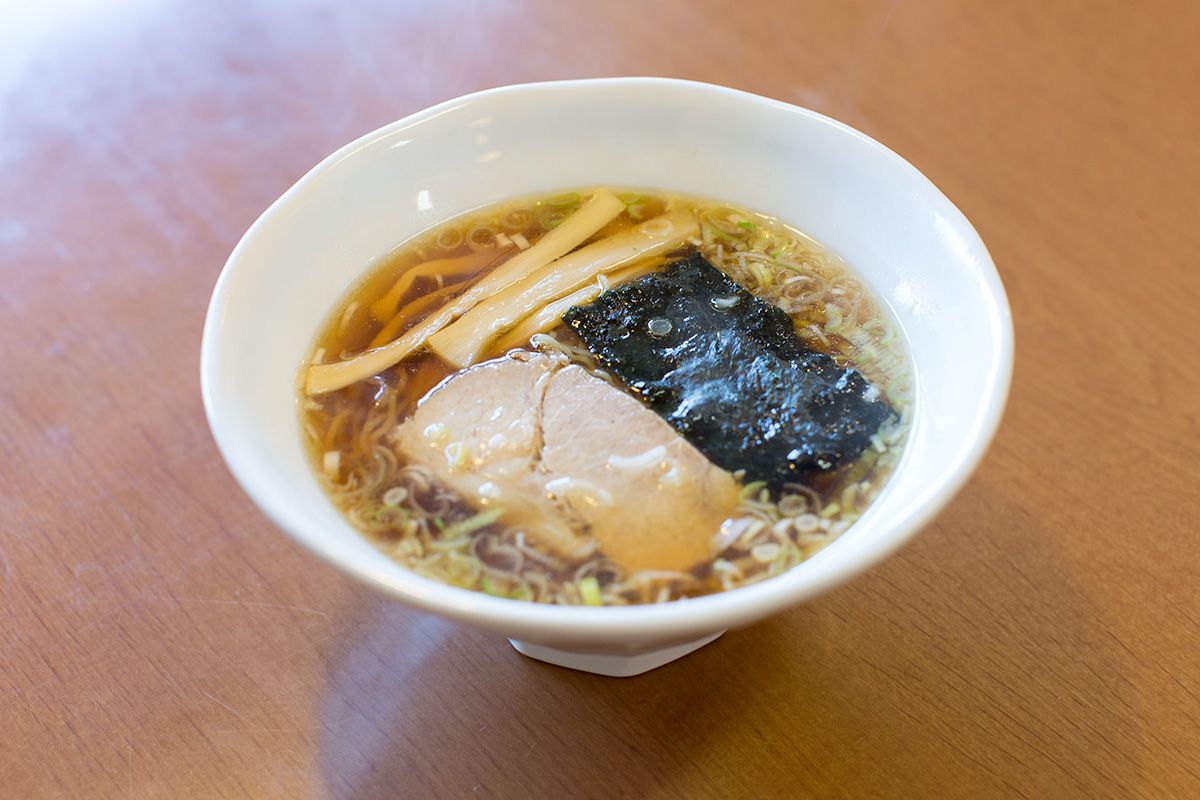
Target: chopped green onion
395, 496
848, 495
472, 524
629, 198
567, 199
766, 552
744, 225
372, 512
589, 590
456, 455
792, 267
789, 556
711, 232
761, 274
551, 218
751, 489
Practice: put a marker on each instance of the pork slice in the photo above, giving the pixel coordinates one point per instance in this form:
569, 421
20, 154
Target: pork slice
649, 498
480, 434
574, 463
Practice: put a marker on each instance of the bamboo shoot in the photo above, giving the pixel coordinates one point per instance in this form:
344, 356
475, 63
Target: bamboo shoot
549, 315
410, 310
462, 342
597, 212
458, 267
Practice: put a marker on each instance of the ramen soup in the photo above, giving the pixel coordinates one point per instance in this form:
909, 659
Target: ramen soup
606, 397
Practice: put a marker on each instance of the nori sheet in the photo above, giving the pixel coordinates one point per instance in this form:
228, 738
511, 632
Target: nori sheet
731, 375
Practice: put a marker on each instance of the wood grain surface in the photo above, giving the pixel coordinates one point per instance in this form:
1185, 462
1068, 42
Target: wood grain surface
161, 639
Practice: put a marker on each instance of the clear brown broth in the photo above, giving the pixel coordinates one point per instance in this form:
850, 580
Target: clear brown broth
335, 422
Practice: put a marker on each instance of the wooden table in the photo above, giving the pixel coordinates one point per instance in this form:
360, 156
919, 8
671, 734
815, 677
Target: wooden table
162, 639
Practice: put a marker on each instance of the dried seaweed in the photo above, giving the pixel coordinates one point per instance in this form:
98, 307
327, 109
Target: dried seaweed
728, 371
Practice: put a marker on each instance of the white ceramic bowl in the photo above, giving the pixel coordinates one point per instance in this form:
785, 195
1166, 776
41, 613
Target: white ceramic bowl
892, 225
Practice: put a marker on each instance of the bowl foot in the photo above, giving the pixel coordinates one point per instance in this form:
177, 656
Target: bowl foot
613, 665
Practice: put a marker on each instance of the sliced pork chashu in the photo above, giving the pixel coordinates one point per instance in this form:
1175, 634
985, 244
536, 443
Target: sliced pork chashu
480, 434
572, 460
661, 501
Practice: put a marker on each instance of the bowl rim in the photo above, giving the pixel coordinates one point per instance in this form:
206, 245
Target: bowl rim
682, 617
